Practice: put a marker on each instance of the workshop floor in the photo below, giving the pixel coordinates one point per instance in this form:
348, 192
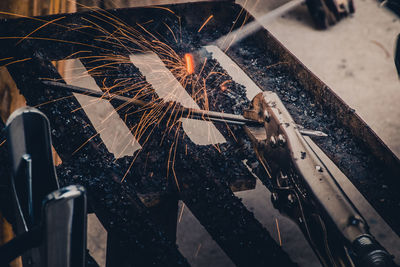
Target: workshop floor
354, 58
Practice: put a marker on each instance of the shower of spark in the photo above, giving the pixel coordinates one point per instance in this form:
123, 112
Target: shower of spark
205, 23
131, 40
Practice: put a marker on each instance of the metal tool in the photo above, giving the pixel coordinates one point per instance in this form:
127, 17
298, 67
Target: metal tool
26, 73
60, 238
190, 113
64, 227
306, 191
28, 135
185, 112
50, 223
28, 139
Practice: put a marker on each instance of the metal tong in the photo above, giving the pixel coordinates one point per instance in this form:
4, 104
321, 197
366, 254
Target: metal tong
49, 223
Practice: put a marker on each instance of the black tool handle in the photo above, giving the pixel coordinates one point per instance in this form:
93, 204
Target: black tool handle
370, 253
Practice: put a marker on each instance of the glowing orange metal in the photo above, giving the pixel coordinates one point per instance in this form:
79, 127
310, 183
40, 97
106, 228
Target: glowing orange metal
189, 63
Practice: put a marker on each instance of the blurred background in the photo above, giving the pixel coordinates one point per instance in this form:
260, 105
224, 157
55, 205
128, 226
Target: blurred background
355, 58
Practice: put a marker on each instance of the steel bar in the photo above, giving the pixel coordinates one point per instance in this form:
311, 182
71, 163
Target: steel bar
186, 112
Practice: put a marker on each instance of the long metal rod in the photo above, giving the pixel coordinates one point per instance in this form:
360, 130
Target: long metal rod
190, 113
94, 93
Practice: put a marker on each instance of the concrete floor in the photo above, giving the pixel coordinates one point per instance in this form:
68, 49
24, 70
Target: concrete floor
355, 58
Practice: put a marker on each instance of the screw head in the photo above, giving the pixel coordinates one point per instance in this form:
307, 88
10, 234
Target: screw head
291, 198
272, 141
281, 140
267, 117
319, 168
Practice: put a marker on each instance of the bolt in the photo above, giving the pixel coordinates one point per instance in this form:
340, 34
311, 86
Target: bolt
281, 140
319, 168
291, 198
354, 221
272, 141
267, 117
364, 241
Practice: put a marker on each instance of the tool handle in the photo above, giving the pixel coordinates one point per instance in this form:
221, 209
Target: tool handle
370, 253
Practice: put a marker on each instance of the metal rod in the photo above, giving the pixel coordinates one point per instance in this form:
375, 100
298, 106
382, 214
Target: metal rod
94, 93
190, 113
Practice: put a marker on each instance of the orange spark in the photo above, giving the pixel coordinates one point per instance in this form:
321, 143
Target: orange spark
44, 25
16, 61
197, 251
2, 143
279, 232
181, 213
189, 63
87, 141
223, 85
205, 22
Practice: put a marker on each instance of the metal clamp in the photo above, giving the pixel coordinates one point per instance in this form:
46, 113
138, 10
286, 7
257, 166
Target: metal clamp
304, 189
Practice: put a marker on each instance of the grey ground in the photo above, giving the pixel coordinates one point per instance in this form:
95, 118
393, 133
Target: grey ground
354, 58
